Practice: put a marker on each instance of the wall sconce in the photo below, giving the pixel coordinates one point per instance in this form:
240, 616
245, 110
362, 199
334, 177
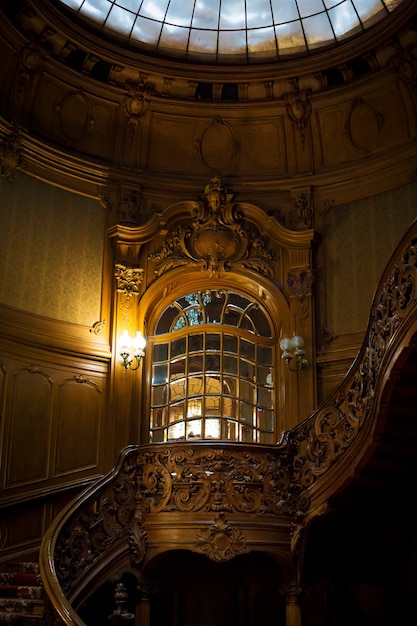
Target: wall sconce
293, 348
132, 351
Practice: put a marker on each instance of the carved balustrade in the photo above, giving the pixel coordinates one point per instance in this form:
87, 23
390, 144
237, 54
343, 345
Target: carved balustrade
331, 432
213, 484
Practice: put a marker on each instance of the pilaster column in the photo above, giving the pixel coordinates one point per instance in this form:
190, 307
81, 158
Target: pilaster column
143, 607
292, 612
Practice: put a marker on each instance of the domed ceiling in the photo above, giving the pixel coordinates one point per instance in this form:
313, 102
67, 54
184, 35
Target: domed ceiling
231, 31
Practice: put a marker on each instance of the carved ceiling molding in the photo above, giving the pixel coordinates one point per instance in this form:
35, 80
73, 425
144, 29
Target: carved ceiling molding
215, 238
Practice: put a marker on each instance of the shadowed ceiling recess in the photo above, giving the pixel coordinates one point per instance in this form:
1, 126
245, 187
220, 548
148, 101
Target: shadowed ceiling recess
231, 31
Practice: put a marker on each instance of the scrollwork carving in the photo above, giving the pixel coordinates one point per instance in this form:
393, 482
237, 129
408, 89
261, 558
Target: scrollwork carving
215, 238
217, 480
299, 109
221, 542
330, 431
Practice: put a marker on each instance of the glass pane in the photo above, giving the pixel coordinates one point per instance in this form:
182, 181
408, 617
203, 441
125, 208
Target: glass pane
230, 364
158, 417
195, 386
212, 429
230, 344
195, 363
176, 412
194, 407
195, 343
157, 436
318, 31
160, 352
194, 429
266, 420
176, 431
265, 355
177, 368
159, 395
160, 374
247, 370
229, 407
232, 430
344, 20
213, 342
247, 349
177, 390
290, 39
229, 386
264, 398
246, 434
212, 362
247, 391
246, 413
164, 324
260, 322
212, 405
178, 347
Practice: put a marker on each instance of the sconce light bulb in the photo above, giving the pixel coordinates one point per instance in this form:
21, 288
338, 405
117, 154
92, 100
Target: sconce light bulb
139, 342
125, 341
285, 344
297, 341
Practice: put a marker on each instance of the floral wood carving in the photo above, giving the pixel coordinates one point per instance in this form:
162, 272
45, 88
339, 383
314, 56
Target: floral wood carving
220, 542
218, 480
329, 432
300, 282
215, 238
113, 515
128, 279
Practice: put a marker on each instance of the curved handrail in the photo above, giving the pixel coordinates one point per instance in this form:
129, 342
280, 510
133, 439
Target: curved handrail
328, 433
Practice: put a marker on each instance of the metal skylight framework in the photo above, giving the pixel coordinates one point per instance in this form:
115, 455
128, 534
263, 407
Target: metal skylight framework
232, 31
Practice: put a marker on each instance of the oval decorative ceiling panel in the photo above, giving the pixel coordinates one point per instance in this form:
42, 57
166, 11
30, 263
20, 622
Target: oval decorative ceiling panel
231, 31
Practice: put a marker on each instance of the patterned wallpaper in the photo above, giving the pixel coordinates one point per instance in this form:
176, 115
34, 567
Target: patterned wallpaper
51, 251
359, 240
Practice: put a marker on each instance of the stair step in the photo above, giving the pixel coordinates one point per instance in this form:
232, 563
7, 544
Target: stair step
18, 591
18, 578
20, 619
20, 605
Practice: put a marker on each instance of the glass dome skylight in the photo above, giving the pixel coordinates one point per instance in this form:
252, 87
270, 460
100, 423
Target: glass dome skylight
231, 31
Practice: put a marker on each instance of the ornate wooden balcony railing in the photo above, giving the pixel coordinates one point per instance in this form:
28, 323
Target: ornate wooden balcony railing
331, 431
249, 491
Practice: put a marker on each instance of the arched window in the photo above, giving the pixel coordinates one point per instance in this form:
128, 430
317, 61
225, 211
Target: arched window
212, 364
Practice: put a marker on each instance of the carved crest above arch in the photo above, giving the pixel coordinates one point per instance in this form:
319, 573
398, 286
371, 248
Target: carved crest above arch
217, 238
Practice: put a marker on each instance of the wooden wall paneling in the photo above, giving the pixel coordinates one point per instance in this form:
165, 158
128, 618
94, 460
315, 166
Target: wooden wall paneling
79, 415
29, 409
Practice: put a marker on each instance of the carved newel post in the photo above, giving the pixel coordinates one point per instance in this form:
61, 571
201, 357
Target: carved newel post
292, 612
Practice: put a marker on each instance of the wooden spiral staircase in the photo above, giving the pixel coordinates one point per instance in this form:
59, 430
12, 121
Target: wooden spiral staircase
352, 460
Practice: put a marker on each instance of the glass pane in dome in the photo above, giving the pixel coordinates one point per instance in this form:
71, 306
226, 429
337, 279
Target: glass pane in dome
233, 15
310, 7
318, 31
96, 11
232, 42
73, 4
146, 31
130, 5
120, 20
203, 41
180, 14
261, 41
290, 38
259, 14
344, 20
155, 9
206, 14
369, 11
175, 37
284, 11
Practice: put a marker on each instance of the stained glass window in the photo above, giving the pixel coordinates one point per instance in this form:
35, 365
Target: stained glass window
231, 30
